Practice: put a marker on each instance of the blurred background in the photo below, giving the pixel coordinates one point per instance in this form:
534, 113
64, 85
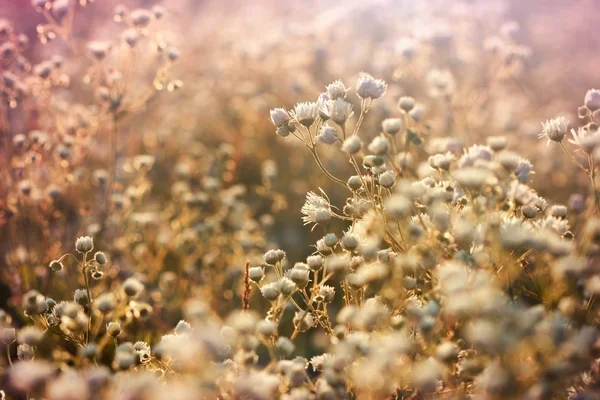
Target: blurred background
507, 65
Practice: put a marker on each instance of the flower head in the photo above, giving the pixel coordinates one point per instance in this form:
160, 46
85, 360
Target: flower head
316, 209
338, 110
555, 129
84, 244
280, 117
306, 113
368, 87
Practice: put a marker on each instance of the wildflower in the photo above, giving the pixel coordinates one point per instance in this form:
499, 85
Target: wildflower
327, 135
81, 297
84, 244
327, 293
368, 87
306, 113
299, 276
105, 303
417, 112
554, 129
256, 274
99, 49
354, 183
406, 103
132, 287
131, 37
303, 321
524, 168
271, 257
391, 126
379, 146
25, 352
592, 99
140, 17
34, 303
56, 266
349, 241
316, 209
30, 335
387, 179
271, 291
7, 335
497, 143
336, 90
113, 329
280, 117
352, 145
287, 286
315, 263
338, 110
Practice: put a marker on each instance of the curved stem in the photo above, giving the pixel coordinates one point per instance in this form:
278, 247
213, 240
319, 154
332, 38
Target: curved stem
573, 159
313, 151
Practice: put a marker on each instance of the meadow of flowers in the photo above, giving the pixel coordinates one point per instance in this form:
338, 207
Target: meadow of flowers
326, 200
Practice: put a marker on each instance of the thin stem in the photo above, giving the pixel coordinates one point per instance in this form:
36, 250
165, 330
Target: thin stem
593, 179
313, 151
8, 355
89, 296
573, 159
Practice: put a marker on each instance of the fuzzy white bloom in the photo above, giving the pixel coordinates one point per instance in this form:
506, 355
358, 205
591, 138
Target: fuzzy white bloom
327, 135
279, 117
554, 129
368, 87
338, 110
306, 112
379, 146
592, 99
315, 209
336, 90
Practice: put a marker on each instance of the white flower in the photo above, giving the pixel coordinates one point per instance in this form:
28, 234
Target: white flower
336, 90
327, 135
554, 129
315, 209
369, 87
338, 110
306, 113
592, 99
279, 117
